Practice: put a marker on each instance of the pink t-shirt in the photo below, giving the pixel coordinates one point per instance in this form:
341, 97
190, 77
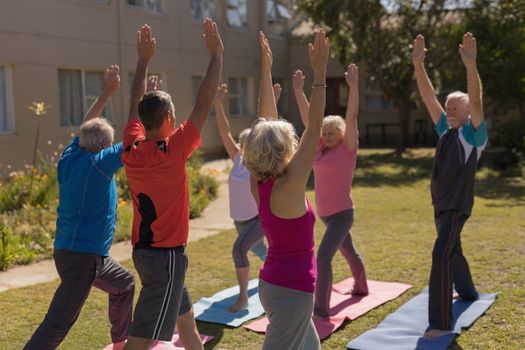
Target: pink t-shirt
242, 204
291, 260
333, 172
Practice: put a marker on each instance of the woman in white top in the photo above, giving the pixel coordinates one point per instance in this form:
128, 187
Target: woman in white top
243, 209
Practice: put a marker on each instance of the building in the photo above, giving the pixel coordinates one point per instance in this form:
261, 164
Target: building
56, 50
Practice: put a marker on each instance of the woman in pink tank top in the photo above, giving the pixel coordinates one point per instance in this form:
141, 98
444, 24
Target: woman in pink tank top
333, 169
279, 168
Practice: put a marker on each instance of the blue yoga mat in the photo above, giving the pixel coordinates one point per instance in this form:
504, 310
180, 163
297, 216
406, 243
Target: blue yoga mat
215, 308
404, 329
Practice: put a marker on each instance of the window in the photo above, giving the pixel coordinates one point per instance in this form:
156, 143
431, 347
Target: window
156, 6
375, 99
237, 13
6, 118
276, 10
377, 103
201, 9
238, 96
78, 90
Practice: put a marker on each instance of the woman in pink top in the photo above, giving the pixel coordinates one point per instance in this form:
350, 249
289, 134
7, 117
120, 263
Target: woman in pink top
333, 169
280, 167
243, 209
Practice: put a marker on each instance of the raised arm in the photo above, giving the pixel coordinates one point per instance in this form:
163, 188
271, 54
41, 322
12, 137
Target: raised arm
146, 46
277, 90
267, 105
302, 161
210, 83
110, 85
351, 137
468, 51
426, 90
222, 123
300, 97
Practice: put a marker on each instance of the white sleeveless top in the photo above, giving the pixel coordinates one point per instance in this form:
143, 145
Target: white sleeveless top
242, 204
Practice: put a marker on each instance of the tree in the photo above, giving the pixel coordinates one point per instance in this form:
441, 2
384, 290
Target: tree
380, 34
499, 26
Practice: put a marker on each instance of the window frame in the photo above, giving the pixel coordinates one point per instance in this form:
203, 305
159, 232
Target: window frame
85, 104
214, 15
246, 23
249, 97
9, 100
145, 8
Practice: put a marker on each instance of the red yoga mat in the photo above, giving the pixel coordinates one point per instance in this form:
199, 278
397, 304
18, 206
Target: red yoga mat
174, 344
346, 306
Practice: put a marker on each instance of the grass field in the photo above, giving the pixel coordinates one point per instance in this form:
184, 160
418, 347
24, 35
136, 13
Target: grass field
393, 231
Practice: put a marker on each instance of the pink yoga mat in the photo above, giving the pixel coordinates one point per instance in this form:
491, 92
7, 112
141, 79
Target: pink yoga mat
174, 344
345, 306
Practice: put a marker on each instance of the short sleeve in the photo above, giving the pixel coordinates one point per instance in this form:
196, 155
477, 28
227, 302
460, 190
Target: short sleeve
441, 126
475, 137
187, 137
134, 131
109, 159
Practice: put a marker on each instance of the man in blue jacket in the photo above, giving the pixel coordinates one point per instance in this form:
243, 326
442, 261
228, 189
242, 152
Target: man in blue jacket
87, 212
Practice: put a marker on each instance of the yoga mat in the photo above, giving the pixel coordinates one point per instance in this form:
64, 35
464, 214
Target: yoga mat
345, 306
215, 308
174, 344
404, 329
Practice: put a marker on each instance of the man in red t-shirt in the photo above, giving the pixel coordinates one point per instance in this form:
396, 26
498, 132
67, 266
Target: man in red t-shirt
154, 156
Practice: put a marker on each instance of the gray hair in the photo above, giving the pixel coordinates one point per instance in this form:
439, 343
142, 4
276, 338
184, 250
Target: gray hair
95, 135
337, 121
243, 134
457, 95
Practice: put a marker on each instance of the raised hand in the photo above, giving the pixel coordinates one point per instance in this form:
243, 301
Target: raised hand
468, 50
212, 38
352, 75
298, 80
154, 83
222, 90
111, 82
266, 52
419, 50
146, 43
318, 52
277, 90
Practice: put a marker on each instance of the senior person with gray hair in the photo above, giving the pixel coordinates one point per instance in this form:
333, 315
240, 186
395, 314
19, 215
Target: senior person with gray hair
334, 167
462, 135
243, 209
87, 210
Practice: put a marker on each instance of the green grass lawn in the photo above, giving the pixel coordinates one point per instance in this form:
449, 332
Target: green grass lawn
393, 231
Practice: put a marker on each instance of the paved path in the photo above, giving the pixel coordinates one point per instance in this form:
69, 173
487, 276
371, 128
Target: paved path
214, 219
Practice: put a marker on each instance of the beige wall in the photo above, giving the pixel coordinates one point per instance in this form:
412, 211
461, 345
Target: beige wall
38, 37
41, 36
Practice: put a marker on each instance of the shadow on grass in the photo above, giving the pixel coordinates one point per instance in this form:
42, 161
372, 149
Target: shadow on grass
496, 186
213, 329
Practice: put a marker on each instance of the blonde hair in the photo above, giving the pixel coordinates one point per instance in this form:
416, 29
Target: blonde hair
95, 135
337, 121
242, 136
269, 147
457, 95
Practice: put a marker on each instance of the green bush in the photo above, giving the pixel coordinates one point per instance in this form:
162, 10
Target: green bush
511, 135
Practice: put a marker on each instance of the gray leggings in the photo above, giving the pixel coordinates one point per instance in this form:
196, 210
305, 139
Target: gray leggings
251, 237
289, 312
78, 272
337, 236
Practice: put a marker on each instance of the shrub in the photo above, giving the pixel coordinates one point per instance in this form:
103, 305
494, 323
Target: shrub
511, 135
